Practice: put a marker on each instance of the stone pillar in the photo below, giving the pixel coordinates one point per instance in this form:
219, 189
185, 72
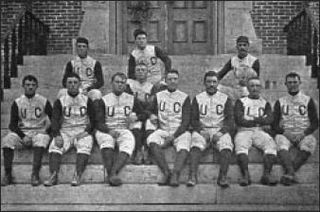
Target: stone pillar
238, 22
95, 25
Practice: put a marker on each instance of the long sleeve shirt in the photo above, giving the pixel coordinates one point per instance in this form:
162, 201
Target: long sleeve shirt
29, 114
212, 111
150, 54
89, 70
173, 110
72, 113
295, 113
250, 113
112, 111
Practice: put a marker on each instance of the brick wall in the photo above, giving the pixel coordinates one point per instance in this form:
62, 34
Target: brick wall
269, 19
63, 18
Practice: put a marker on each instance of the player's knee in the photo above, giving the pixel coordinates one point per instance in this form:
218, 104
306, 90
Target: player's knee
8, 141
94, 94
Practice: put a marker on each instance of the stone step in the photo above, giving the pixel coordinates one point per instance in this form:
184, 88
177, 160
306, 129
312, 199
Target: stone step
155, 207
24, 156
151, 174
94, 194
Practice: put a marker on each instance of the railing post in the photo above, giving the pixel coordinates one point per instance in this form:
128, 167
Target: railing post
6, 75
13, 66
20, 50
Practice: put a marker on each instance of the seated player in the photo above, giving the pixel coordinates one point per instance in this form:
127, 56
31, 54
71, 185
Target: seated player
212, 122
171, 109
295, 119
253, 115
243, 67
115, 112
29, 127
89, 70
72, 125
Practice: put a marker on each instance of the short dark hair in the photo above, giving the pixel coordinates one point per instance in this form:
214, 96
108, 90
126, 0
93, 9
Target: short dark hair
293, 75
243, 39
72, 74
139, 32
173, 71
82, 40
210, 74
29, 78
120, 74
253, 78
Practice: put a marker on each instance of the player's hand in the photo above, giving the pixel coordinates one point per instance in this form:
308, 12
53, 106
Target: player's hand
205, 135
27, 140
153, 119
299, 137
114, 134
58, 141
132, 118
216, 137
81, 135
289, 136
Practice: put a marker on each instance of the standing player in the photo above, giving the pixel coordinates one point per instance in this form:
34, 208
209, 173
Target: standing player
253, 115
29, 125
115, 112
89, 70
151, 54
171, 108
72, 120
212, 121
295, 119
243, 66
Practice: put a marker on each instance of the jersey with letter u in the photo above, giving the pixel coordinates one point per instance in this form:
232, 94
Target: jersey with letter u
170, 109
253, 108
85, 69
211, 109
148, 55
75, 111
32, 112
294, 112
117, 110
141, 91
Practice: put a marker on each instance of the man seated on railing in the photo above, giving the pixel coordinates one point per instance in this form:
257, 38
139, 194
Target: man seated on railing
29, 127
295, 119
243, 66
87, 68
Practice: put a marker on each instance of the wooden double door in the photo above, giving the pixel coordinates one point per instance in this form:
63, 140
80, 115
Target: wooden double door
178, 27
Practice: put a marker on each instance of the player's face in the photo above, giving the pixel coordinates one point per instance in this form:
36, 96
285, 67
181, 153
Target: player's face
293, 84
118, 85
242, 48
73, 85
211, 83
141, 41
30, 87
254, 88
82, 50
141, 72
172, 80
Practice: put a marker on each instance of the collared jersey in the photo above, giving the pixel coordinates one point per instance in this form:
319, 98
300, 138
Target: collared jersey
32, 112
141, 91
74, 111
211, 109
117, 110
294, 112
149, 56
85, 69
170, 109
253, 107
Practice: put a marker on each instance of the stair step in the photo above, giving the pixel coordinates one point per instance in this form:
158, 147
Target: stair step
93, 194
151, 174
